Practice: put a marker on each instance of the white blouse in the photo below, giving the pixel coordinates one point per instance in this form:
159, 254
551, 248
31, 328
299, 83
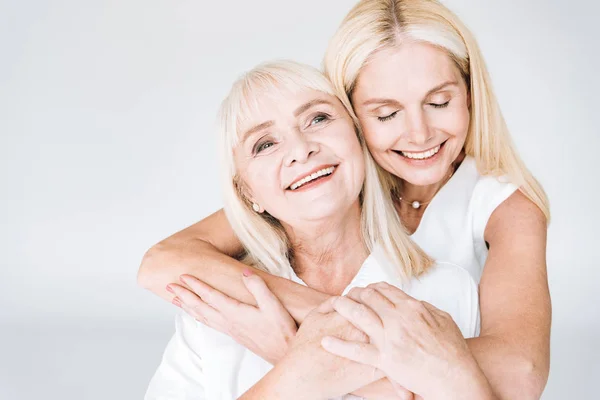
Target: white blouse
201, 363
453, 224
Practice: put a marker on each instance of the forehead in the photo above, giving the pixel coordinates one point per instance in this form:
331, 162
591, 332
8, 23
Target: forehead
277, 105
410, 69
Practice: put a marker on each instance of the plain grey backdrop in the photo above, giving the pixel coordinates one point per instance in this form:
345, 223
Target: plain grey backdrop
107, 145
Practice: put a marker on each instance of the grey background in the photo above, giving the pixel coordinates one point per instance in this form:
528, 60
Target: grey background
107, 145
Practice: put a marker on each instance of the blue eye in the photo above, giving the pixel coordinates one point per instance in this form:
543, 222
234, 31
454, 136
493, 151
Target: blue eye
263, 146
388, 117
443, 105
318, 119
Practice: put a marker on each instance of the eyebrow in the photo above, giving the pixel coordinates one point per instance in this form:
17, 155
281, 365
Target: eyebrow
257, 128
309, 105
298, 111
395, 102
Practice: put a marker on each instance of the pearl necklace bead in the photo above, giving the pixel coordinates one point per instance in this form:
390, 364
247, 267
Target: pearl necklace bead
415, 204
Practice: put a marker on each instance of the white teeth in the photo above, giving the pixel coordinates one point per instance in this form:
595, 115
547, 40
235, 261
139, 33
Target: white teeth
423, 155
314, 175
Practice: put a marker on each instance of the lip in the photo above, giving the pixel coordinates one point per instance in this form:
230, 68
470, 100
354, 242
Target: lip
299, 177
421, 151
426, 162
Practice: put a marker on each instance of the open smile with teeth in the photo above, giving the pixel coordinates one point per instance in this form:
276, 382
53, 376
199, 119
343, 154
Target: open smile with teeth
312, 177
423, 155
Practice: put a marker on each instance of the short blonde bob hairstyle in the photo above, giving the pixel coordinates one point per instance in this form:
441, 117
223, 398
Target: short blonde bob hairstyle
263, 237
373, 25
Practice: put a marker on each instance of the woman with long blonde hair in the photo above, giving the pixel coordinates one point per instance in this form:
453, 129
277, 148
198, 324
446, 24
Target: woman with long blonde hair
420, 90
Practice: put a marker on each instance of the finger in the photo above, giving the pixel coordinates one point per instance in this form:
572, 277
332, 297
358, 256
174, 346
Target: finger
195, 307
441, 316
359, 315
363, 353
354, 294
209, 295
424, 311
401, 392
327, 306
375, 300
434, 310
265, 299
392, 293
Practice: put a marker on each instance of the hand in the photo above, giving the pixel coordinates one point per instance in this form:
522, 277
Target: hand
266, 330
418, 346
309, 372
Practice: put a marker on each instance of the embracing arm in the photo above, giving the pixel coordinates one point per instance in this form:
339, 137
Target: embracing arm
513, 349
206, 250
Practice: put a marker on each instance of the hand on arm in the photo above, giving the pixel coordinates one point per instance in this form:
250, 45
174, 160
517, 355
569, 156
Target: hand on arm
308, 371
416, 345
265, 329
205, 250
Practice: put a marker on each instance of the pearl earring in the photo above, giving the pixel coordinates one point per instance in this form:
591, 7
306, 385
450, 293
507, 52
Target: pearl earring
255, 207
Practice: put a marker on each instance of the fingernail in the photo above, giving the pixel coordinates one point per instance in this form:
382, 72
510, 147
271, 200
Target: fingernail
170, 289
246, 272
176, 302
184, 279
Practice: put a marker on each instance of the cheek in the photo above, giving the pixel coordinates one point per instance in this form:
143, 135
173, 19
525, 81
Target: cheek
454, 122
380, 137
262, 181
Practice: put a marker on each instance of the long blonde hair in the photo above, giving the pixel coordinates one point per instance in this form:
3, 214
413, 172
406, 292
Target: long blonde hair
373, 25
263, 237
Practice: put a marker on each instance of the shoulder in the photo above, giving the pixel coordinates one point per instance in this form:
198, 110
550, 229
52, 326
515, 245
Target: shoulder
517, 216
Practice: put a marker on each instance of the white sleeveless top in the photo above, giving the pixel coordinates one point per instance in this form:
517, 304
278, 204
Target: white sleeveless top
201, 363
453, 224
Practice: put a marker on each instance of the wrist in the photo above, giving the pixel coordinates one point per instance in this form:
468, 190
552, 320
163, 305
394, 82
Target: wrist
466, 382
281, 382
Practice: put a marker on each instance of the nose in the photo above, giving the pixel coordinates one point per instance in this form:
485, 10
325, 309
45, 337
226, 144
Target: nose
417, 127
300, 148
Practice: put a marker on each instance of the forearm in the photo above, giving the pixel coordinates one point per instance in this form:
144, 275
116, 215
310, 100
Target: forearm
279, 384
165, 262
381, 389
511, 374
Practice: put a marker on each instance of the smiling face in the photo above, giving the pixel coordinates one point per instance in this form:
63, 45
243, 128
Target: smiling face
299, 157
413, 106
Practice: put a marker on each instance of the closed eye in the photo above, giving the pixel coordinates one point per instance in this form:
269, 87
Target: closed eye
388, 117
443, 105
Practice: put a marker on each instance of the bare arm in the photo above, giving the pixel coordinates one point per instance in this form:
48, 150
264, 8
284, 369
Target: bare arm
206, 250
513, 349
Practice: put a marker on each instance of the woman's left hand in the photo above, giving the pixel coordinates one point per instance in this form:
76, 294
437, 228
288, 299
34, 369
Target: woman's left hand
415, 344
266, 330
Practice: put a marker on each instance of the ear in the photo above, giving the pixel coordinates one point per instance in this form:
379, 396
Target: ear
257, 208
253, 203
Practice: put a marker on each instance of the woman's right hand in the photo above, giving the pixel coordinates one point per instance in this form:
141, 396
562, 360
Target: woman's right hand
266, 329
413, 342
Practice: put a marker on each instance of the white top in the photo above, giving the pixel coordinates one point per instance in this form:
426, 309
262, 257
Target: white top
453, 224
200, 363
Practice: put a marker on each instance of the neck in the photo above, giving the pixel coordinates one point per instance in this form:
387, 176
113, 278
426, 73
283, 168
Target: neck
327, 254
424, 193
